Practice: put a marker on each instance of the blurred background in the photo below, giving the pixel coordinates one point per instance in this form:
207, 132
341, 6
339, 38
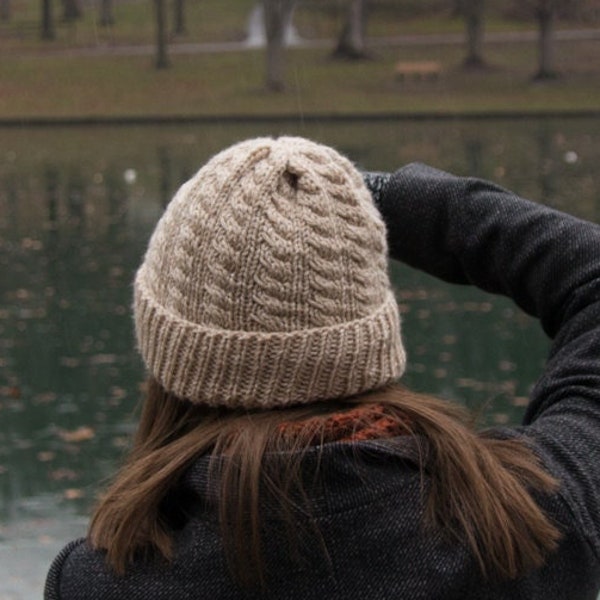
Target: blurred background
107, 106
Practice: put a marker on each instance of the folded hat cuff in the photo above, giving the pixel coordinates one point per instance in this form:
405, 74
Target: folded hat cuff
219, 367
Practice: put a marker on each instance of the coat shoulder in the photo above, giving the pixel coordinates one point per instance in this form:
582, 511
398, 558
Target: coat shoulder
68, 554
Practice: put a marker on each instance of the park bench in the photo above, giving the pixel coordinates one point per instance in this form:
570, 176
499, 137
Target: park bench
417, 70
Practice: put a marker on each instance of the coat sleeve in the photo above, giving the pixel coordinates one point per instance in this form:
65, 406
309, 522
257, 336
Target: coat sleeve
52, 586
470, 231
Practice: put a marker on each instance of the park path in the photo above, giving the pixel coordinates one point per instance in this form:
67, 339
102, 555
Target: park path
400, 40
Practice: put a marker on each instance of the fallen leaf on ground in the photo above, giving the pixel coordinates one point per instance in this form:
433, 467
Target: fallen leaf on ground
60, 474
81, 434
74, 494
45, 455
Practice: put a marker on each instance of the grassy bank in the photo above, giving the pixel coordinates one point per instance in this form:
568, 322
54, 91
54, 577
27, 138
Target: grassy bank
231, 83
40, 81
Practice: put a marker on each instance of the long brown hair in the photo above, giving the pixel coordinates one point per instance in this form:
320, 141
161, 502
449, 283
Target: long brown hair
480, 490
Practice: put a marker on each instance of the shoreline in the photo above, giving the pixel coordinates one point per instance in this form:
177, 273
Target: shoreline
173, 119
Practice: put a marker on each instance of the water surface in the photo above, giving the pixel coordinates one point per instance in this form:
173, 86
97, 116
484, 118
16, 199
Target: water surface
77, 206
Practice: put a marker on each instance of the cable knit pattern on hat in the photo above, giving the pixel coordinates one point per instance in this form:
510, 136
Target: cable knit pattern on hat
265, 282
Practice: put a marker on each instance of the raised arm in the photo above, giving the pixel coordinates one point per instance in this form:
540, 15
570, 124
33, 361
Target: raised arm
465, 230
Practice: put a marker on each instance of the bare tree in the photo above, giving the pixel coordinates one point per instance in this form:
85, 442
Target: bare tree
106, 13
278, 16
473, 12
179, 17
351, 43
546, 13
162, 59
47, 30
71, 10
4, 10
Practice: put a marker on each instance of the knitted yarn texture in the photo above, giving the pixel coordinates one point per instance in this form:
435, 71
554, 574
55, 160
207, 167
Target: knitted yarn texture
265, 282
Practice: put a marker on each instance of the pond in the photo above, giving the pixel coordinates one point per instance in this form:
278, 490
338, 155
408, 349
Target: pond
77, 206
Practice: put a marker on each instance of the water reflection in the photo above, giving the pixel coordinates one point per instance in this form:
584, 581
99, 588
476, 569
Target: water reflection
76, 209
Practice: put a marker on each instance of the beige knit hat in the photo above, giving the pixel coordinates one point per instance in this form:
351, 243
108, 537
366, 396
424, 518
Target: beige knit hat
265, 282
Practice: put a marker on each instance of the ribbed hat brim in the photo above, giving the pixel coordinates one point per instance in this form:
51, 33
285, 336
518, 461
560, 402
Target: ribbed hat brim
219, 367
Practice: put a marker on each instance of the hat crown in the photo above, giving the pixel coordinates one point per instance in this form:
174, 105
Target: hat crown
271, 236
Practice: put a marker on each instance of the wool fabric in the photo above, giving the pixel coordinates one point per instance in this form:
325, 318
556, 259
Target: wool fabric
265, 282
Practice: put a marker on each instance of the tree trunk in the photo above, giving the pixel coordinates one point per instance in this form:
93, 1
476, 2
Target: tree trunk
5, 10
473, 11
351, 43
71, 10
278, 14
179, 17
47, 30
545, 17
106, 13
162, 60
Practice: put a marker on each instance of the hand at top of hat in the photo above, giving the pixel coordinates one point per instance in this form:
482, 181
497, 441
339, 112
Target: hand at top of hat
376, 183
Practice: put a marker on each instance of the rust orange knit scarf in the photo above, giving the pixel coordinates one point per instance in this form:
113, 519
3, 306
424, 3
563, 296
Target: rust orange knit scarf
364, 422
